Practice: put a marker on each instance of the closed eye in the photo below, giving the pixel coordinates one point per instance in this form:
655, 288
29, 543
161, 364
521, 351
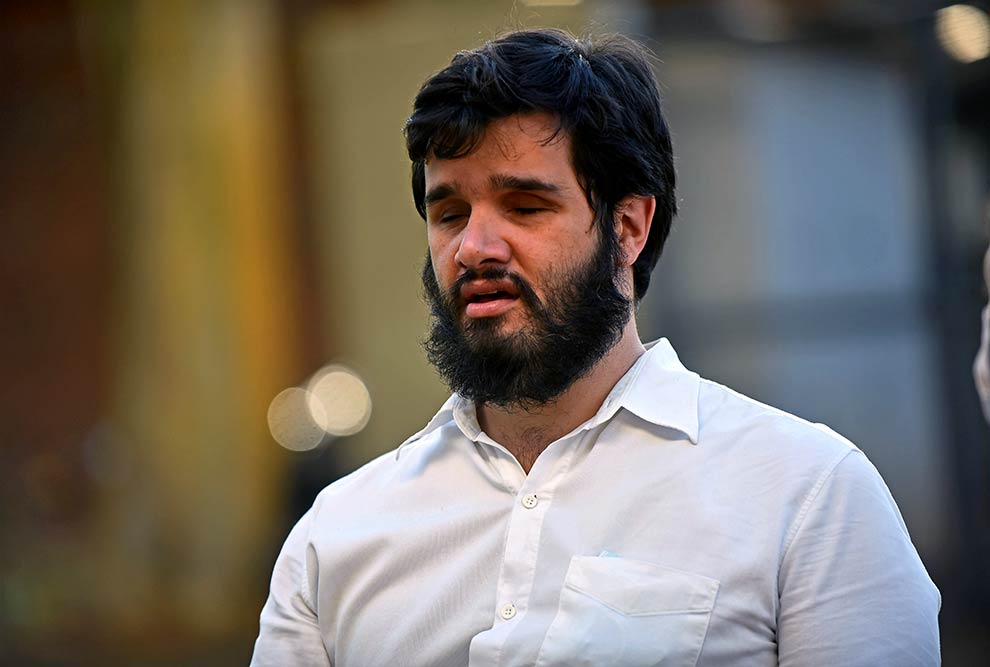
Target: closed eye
528, 211
446, 215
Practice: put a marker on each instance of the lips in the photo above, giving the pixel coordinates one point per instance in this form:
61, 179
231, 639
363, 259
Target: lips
488, 298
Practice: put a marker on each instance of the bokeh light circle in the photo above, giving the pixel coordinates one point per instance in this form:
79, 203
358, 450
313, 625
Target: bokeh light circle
964, 32
294, 421
341, 397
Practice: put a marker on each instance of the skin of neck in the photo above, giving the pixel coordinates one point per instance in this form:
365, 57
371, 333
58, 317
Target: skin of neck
527, 432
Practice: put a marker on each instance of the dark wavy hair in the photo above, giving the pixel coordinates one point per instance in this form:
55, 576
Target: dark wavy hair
604, 95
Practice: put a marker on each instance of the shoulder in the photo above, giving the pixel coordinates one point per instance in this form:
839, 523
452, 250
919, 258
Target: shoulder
732, 422
780, 461
391, 474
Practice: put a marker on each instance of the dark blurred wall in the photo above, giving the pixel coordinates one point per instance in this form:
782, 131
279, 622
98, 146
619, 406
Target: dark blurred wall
153, 305
55, 300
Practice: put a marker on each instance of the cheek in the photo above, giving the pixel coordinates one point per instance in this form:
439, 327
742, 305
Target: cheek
567, 250
435, 243
442, 262
444, 245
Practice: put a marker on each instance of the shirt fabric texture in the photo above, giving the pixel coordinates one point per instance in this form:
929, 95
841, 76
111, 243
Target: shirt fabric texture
684, 524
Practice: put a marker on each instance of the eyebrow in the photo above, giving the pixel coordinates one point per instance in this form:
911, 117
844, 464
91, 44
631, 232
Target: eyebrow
438, 193
497, 182
509, 182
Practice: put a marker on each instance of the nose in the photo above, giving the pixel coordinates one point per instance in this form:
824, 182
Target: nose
482, 242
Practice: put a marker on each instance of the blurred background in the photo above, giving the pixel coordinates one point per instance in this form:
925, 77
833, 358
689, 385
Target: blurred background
210, 306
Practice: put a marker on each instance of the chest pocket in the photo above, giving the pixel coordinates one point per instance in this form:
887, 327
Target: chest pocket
628, 613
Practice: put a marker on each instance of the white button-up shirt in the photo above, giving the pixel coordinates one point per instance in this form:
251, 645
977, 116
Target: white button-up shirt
683, 524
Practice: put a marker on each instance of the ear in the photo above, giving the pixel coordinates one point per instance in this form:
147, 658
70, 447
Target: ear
633, 218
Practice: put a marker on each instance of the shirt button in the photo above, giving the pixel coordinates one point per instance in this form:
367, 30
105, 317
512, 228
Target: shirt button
508, 611
530, 501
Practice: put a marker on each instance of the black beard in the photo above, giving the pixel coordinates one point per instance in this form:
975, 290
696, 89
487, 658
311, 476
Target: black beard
582, 320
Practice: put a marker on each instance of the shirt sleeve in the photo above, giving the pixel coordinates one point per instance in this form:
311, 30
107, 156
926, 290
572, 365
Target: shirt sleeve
852, 588
289, 633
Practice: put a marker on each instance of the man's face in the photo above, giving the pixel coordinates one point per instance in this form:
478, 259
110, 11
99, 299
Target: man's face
523, 287
514, 203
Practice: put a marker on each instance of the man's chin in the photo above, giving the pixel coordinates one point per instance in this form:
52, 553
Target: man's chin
490, 341
493, 337
502, 325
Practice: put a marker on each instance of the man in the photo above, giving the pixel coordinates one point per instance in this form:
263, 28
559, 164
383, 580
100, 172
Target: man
582, 499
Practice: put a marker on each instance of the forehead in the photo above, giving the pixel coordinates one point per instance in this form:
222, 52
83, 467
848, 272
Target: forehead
523, 144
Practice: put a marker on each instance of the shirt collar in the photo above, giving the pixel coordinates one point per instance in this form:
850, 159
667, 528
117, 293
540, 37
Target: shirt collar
663, 392
657, 389
443, 416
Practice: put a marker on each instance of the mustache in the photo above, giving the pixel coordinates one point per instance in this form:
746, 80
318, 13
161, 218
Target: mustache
526, 291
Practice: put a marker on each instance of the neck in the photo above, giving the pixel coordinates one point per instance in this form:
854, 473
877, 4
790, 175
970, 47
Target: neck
526, 432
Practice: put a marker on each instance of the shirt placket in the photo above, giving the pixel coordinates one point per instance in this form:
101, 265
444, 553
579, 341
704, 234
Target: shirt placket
532, 499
